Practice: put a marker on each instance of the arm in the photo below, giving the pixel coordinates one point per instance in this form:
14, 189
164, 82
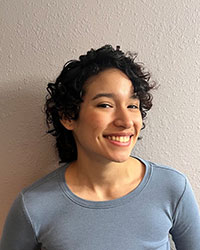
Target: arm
18, 233
186, 222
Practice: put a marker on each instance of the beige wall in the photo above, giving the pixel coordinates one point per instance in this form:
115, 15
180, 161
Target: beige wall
37, 37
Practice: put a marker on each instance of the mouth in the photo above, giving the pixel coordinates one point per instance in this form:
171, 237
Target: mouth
119, 140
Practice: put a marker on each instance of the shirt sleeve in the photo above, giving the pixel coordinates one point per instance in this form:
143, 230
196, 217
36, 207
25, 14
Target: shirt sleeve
18, 233
186, 221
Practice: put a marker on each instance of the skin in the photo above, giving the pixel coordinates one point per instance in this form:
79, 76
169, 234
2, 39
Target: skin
104, 169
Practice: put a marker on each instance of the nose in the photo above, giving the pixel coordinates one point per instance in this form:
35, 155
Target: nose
123, 118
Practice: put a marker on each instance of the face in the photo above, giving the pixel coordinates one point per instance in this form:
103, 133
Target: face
109, 120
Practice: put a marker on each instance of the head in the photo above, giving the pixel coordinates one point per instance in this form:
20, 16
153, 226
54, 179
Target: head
67, 93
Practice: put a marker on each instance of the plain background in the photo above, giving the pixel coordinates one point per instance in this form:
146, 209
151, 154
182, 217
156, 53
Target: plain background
38, 37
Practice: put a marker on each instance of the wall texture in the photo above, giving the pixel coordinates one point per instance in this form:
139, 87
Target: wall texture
38, 37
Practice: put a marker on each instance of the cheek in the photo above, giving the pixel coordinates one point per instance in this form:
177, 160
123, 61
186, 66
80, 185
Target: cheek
138, 122
97, 123
92, 122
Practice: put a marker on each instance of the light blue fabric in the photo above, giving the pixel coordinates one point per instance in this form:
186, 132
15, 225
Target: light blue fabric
48, 214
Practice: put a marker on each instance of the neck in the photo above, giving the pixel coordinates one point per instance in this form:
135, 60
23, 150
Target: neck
93, 180
105, 174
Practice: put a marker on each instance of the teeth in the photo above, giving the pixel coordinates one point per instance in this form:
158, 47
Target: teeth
119, 138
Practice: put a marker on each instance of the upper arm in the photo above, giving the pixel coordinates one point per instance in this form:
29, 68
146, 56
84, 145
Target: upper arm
186, 221
18, 233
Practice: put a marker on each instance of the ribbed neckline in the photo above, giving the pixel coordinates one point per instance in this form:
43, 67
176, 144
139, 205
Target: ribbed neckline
110, 203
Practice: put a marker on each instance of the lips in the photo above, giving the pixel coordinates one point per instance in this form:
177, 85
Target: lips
119, 138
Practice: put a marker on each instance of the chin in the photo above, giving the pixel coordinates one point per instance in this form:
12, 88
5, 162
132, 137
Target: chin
119, 159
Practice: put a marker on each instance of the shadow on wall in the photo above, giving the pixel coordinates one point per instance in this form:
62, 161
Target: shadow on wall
27, 152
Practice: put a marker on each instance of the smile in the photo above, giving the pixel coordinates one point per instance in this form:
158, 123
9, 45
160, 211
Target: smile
122, 141
119, 138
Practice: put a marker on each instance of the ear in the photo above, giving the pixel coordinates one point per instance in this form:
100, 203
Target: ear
68, 124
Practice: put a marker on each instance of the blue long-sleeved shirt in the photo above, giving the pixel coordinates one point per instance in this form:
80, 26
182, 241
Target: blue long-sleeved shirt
47, 214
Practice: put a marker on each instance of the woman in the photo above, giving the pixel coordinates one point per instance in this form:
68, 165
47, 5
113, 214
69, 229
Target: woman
102, 198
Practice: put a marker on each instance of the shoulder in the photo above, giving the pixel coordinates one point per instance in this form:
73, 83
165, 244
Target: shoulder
43, 194
168, 173
36, 205
164, 172
168, 176
44, 183
166, 181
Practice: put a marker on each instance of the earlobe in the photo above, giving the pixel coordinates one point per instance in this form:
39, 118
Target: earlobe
68, 124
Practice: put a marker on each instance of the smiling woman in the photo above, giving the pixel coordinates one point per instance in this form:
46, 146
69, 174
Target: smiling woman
102, 198
70, 87
109, 102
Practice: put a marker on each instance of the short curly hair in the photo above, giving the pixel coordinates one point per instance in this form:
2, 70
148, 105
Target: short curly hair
65, 94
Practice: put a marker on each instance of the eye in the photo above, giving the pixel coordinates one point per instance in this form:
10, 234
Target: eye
104, 105
133, 106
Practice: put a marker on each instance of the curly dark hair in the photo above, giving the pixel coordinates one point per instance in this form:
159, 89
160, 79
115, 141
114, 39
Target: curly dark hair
65, 94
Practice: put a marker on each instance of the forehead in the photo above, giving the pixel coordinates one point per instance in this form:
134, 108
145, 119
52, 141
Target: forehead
109, 80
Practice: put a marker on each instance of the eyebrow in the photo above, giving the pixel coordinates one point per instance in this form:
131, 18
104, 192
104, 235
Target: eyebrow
110, 95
